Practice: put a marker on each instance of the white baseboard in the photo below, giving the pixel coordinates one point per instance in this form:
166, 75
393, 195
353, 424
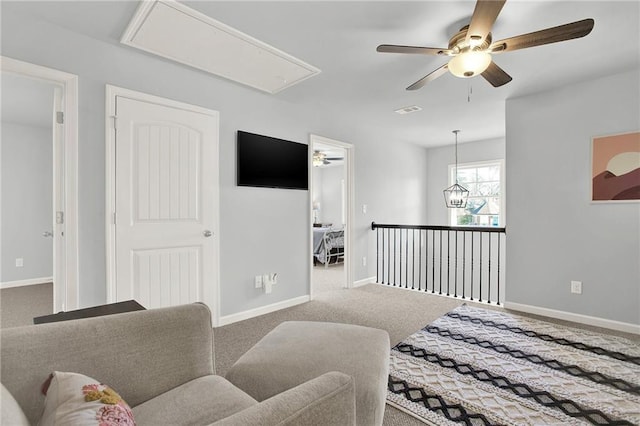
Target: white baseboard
364, 281
251, 313
22, 283
579, 318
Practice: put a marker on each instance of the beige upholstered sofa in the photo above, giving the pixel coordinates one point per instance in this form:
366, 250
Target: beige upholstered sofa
161, 362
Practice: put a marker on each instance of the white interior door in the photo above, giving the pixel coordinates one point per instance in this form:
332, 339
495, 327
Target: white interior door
166, 204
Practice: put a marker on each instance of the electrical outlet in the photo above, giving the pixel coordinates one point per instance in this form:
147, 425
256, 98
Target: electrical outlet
364, 260
19, 262
576, 287
258, 281
364, 209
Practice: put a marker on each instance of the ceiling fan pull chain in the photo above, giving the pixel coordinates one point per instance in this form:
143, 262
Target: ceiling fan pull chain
470, 92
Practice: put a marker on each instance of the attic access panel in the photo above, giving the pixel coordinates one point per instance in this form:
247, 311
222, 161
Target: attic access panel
174, 31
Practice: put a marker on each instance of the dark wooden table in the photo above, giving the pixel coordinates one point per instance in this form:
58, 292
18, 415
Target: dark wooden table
95, 311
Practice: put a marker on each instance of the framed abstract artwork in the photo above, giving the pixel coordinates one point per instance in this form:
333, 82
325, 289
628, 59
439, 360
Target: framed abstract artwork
615, 167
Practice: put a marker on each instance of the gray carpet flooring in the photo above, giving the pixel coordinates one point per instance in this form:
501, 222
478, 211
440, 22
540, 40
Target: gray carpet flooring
19, 305
331, 278
400, 312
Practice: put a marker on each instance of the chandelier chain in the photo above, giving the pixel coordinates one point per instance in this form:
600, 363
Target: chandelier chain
456, 150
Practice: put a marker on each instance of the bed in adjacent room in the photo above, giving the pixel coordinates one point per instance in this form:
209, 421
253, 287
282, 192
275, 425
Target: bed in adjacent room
328, 245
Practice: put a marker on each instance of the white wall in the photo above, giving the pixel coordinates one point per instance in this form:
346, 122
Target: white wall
27, 201
262, 229
394, 192
554, 233
317, 192
438, 160
331, 187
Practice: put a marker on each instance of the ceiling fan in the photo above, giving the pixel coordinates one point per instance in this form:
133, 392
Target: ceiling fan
471, 48
320, 159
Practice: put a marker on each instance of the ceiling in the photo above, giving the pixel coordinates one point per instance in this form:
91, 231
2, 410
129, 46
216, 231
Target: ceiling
340, 38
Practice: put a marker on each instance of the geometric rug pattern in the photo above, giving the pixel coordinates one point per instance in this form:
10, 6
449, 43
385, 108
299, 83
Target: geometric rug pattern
476, 366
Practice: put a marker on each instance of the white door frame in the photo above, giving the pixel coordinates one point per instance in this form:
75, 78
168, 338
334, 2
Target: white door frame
349, 198
65, 268
110, 169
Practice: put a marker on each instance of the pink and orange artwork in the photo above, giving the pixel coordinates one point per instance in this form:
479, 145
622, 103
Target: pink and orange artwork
616, 168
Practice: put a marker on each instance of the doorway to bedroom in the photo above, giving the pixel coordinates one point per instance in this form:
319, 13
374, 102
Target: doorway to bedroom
330, 195
39, 192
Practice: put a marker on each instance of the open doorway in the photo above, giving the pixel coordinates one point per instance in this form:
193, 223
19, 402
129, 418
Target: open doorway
330, 197
38, 197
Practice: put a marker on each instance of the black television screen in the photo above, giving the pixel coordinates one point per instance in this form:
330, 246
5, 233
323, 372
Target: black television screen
270, 162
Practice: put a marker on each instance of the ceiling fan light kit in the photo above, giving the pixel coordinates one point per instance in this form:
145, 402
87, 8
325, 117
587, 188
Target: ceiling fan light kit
320, 159
471, 48
469, 63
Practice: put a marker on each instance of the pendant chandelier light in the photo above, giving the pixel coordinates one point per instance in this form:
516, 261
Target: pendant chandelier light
456, 196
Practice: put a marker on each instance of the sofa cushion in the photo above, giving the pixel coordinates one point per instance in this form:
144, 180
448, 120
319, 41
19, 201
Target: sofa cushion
76, 399
12, 414
200, 401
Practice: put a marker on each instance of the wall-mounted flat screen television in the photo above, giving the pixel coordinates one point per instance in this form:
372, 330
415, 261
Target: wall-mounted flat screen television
269, 162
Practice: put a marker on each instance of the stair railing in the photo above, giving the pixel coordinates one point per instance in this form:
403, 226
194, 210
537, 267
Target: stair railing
459, 261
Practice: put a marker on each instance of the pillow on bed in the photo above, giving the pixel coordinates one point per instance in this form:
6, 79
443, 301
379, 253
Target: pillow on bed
75, 399
12, 414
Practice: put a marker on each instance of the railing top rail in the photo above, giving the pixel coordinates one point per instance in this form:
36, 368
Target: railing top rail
440, 227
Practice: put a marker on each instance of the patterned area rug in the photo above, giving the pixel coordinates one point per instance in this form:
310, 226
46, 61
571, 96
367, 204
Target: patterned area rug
479, 367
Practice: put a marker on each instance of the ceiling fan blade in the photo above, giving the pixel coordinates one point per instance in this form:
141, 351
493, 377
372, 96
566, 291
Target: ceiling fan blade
429, 77
484, 15
496, 75
394, 48
550, 35
335, 158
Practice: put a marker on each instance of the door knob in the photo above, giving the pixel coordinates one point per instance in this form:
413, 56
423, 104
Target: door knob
207, 233
47, 234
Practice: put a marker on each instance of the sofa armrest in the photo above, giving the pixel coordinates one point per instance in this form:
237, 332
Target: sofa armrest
329, 399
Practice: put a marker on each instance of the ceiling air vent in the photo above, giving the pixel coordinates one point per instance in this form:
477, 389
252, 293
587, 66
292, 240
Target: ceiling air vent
409, 109
174, 31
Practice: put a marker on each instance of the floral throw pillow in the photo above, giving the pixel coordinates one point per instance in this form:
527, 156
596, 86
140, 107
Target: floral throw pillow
75, 399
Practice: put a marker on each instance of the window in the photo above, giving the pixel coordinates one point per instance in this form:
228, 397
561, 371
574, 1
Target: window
485, 182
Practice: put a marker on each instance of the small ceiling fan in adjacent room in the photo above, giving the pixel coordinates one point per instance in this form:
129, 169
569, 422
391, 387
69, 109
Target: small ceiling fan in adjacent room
470, 49
321, 159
